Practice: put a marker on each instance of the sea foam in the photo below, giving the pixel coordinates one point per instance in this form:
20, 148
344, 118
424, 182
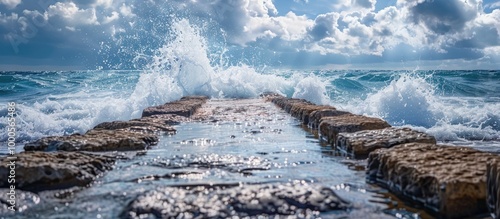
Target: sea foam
182, 66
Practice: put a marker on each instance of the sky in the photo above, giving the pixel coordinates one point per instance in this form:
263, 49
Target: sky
302, 34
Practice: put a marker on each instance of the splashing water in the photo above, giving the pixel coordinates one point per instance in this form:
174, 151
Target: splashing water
414, 100
178, 68
407, 100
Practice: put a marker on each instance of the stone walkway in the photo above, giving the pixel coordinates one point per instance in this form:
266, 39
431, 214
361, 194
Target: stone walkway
449, 181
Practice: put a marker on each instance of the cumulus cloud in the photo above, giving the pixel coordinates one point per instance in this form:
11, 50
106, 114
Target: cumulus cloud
434, 29
441, 16
70, 12
10, 4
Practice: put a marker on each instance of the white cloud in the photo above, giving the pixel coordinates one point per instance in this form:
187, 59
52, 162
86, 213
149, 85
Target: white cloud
73, 15
354, 28
103, 3
10, 4
126, 11
8, 19
493, 5
354, 5
113, 17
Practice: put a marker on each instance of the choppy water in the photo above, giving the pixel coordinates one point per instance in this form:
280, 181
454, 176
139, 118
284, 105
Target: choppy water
458, 107
461, 107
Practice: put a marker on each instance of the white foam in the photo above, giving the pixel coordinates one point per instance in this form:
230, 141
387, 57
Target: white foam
409, 100
180, 67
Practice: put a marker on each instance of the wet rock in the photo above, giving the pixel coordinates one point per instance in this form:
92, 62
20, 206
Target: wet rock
288, 103
449, 180
303, 111
186, 107
23, 201
164, 119
235, 110
361, 143
235, 201
95, 140
330, 127
143, 126
37, 171
316, 116
493, 183
299, 108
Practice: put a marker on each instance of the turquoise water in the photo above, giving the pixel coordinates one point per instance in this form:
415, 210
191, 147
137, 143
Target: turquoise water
460, 107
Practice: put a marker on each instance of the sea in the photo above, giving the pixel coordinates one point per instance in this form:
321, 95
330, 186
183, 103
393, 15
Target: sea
458, 107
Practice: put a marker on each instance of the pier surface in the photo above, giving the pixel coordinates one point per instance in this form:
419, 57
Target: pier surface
219, 158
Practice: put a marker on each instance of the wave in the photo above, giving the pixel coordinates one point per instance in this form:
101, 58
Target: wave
73, 102
417, 100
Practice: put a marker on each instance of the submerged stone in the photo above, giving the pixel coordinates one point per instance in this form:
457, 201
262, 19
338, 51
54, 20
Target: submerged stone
361, 143
37, 171
304, 201
186, 107
330, 127
449, 180
95, 140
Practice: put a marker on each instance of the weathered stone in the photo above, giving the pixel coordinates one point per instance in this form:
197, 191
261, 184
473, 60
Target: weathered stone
36, 171
142, 126
95, 140
165, 119
449, 180
186, 107
288, 103
361, 143
298, 108
330, 127
234, 110
316, 116
235, 201
303, 111
23, 201
493, 183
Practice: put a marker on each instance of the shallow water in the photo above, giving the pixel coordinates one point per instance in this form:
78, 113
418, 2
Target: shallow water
254, 151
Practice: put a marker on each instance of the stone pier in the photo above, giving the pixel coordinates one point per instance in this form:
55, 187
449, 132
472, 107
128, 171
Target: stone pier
450, 181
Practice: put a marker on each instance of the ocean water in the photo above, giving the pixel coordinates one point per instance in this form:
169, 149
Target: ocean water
457, 107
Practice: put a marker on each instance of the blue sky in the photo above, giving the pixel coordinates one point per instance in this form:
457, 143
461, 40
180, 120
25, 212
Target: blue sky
315, 34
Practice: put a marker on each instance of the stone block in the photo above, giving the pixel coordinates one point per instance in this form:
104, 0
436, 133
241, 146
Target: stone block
361, 143
37, 171
449, 180
186, 107
330, 127
95, 140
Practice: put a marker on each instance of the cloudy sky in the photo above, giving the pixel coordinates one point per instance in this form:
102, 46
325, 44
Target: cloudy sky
337, 34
